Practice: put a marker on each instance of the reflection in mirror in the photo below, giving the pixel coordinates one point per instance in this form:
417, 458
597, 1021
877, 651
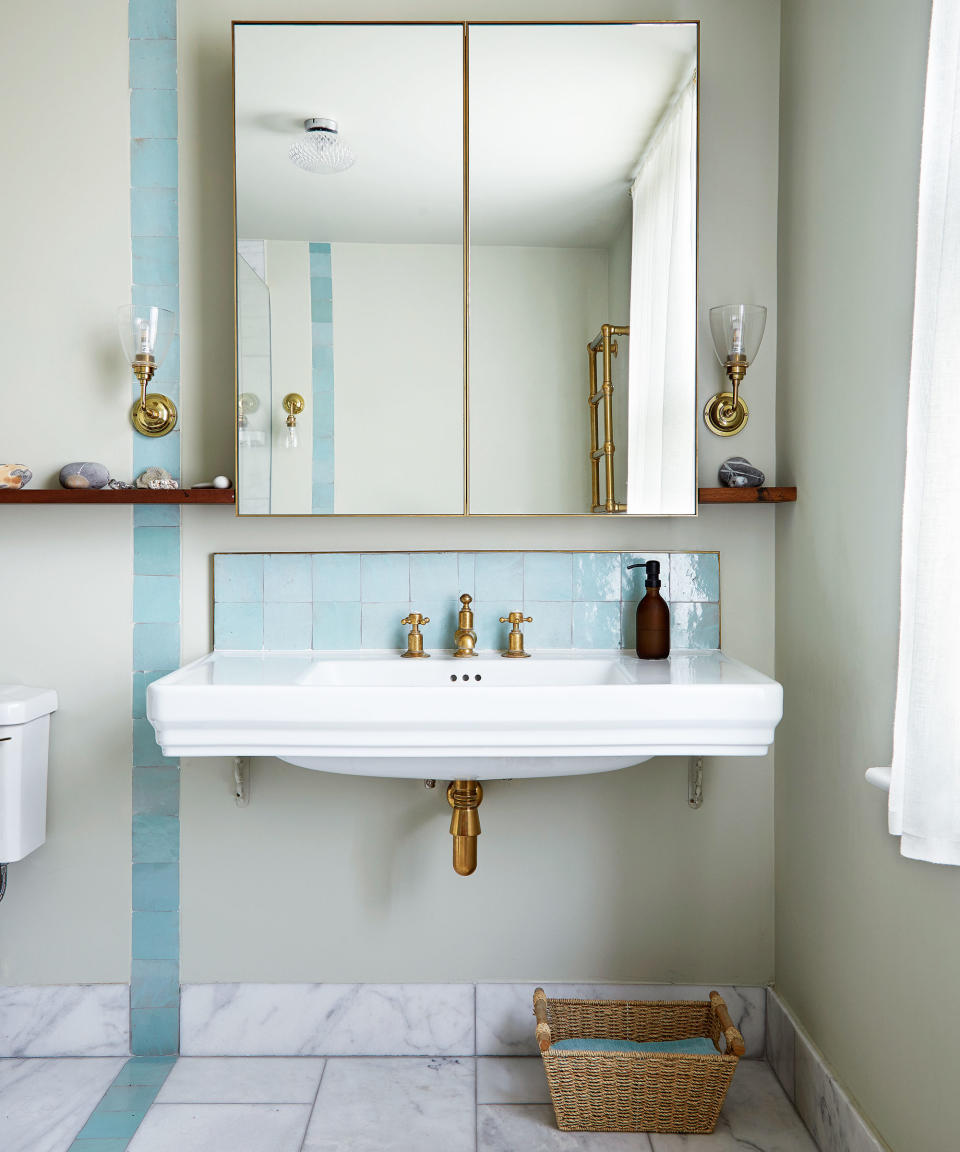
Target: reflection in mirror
350, 282
583, 169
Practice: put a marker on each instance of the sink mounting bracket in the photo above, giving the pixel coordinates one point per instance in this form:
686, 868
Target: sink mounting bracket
241, 781
695, 781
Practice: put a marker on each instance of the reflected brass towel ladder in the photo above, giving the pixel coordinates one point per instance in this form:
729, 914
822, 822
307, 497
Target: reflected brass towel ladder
605, 342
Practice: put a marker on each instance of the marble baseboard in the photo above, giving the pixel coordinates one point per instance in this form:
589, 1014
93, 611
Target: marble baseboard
65, 1020
505, 1011
825, 1108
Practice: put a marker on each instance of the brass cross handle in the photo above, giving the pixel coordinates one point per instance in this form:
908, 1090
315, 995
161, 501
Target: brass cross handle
415, 640
415, 620
516, 619
515, 637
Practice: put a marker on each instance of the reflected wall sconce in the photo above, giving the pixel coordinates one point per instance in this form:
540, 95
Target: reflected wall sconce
247, 404
293, 406
321, 149
145, 334
737, 330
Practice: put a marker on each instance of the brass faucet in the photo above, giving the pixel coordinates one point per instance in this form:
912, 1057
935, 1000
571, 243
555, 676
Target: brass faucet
465, 638
415, 640
515, 639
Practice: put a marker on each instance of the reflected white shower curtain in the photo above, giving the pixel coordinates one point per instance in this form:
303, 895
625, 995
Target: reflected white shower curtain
925, 776
661, 382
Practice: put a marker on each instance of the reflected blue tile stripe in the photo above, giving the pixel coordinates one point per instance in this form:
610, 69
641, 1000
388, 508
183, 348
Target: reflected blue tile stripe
155, 830
321, 313
577, 599
120, 1112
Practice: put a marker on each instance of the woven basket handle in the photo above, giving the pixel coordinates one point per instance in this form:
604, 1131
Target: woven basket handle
735, 1044
544, 1038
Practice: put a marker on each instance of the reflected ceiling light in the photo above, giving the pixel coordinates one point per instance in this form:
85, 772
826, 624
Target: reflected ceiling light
321, 149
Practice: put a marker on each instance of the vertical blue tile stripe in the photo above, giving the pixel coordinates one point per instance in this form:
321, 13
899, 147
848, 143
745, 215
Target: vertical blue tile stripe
577, 599
321, 312
115, 1120
155, 831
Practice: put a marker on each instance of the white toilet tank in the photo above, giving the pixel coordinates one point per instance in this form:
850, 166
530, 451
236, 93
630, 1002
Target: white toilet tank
24, 742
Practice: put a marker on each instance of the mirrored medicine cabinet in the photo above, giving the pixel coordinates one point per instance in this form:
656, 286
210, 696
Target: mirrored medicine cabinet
466, 268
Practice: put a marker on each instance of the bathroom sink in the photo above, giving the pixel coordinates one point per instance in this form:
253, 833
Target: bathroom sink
374, 714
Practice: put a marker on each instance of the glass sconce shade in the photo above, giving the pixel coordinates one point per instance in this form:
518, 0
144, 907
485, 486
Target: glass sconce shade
145, 332
737, 330
321, 149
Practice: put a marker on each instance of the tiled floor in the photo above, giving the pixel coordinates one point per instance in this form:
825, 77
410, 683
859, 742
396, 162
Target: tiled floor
402, 1104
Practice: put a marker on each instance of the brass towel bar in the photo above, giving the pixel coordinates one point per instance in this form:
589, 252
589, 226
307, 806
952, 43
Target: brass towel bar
606, 344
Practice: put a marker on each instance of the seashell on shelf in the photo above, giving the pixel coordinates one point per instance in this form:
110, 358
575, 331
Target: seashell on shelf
156, 478
15, 475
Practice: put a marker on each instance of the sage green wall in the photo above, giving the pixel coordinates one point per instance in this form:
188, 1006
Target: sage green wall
867, 942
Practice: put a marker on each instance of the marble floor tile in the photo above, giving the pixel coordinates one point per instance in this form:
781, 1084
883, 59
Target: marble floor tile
404, 1104
533, 1128
511, 1080
222, 1128
45, 1102
242, 1080
756, 1116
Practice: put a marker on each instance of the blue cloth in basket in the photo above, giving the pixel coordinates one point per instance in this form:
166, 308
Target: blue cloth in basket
692, 1046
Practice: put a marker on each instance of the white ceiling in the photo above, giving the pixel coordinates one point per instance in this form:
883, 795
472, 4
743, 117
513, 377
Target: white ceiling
559, 115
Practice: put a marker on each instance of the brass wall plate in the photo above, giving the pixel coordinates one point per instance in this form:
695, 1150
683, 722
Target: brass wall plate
722, 418
157, 417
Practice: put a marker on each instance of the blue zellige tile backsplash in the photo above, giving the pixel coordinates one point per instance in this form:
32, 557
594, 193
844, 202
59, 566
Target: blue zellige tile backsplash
327, 600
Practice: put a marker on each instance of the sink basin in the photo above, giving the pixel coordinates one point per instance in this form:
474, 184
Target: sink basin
373, 714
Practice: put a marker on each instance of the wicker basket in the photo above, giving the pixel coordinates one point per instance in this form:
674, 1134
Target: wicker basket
636, 1091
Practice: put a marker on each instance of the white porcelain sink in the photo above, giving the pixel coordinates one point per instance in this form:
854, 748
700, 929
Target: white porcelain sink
374, 714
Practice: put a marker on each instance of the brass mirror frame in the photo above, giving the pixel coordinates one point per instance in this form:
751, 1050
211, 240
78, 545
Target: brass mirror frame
465, 25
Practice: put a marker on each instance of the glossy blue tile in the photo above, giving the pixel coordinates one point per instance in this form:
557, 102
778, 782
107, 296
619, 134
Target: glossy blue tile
596, 576
336, 625
633, 583
548, 576
321, 333
110, 1125
438, 634
321, 501
322, 362
380, 625
322, 287
156, 599
628, 625
152, 19
694, 625
153, 163
319, 260
156, 887
156, 935
153, 114
140, 682
238, 626
155, 259
500, 578
153, 984
336, 576
466, 573
321, 310
167, 296
552, 625
491, 634
154, 1031
146, 750
238, 579
385, 576
156, 788
168, 373
156, 839
287, 578
694, 576
596, 624
153, 211
153, 64
156, 646
323, 424
287, 627
101, 1144
323, 461
151, 1070
157, 452
434, 576
156, 551
129, 1097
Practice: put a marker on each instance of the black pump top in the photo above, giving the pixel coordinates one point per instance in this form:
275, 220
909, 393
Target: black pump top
653, 572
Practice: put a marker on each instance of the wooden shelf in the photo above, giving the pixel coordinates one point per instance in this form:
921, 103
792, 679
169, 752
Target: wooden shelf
118, 496
747, 495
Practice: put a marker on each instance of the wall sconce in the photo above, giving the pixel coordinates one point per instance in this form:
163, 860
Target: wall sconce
737, 330
293, 406
145, 335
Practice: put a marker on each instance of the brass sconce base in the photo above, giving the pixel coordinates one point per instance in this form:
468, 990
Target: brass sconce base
723, 417
155, 415
464, 797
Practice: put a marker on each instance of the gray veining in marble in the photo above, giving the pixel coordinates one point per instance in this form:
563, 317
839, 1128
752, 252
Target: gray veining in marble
222, 1127
394, 1105
756, 1117
781, 1042
242, 1080
45, 1102
327, 1020
511, 1080
825, 1107
65, 1020
533, 1128
505, 1024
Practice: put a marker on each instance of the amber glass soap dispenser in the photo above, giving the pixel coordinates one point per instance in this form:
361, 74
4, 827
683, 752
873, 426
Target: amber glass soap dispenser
653, 617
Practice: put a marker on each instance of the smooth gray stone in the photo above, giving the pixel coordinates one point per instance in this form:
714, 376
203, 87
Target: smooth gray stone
739, 473
83, 474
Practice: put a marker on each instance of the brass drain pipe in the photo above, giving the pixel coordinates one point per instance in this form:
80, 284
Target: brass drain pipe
464, 798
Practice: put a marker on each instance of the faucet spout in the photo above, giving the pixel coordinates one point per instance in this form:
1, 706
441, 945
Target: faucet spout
465, 638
